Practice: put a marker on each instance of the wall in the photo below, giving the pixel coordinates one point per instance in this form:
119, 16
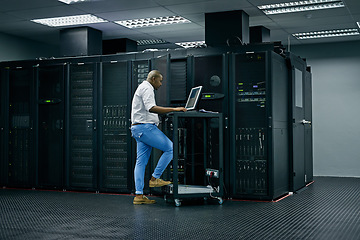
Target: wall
336, 110
15, 48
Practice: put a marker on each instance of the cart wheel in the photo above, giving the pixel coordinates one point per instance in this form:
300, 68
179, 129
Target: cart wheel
177, 202
220, 201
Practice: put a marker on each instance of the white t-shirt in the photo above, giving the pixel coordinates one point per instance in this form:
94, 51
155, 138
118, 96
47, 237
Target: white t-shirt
143, 101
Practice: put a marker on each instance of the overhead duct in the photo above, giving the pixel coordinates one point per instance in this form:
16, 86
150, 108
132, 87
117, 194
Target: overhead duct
113, 46
227, 28
81, 41
259, 34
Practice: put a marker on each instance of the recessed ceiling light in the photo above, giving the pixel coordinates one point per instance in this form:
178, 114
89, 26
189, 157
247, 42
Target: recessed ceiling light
69, 20
150, 42
150, 22
75, 1
191, 44
300, 6
327, 33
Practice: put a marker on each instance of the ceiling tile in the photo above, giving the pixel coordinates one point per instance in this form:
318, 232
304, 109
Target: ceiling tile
11, 5
211, 6
15, 16
134, 14
114, 5
49, 12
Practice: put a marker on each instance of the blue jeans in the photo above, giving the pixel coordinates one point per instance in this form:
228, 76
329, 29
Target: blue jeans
148, 136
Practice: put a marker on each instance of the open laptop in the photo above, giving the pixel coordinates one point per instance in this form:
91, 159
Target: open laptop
193, 98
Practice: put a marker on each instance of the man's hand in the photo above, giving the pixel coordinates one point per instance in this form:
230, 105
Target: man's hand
180, 109
163, 110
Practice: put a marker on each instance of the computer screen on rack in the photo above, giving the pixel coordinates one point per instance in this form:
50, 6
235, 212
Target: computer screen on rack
193, 98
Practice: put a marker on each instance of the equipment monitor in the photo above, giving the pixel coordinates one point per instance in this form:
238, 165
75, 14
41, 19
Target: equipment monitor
193, 98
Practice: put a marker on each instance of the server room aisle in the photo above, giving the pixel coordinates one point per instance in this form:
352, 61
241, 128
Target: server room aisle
327, 209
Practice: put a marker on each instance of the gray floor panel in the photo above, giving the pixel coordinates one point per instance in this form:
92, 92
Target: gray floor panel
327, 209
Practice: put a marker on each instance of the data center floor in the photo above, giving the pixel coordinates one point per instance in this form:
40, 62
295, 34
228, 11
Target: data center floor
327, 209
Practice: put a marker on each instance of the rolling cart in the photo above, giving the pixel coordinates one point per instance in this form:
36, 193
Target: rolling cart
197, 167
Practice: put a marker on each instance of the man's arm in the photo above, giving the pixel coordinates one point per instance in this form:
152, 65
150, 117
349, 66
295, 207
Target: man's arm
163, 110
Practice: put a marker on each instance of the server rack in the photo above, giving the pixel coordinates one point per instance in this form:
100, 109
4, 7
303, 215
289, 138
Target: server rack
162, 63
50, 117
4, 105
82, 124
259, 125
20, 162
115, 139
210, 70
178, 79
139, 71
87, 146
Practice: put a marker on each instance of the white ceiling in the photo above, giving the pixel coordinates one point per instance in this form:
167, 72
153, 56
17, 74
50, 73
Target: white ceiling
15, 16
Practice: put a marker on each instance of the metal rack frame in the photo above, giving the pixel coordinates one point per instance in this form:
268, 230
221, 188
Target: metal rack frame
178, 192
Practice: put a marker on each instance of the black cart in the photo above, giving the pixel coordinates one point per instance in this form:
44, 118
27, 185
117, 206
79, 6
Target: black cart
197, 167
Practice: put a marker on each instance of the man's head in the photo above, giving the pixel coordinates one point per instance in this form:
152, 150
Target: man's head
155, 78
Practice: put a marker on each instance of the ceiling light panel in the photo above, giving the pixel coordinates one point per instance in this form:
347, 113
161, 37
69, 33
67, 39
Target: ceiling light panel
150, 42
69, 20
73, 1
190, 44
358, 23
150, 22
326, 34
300, 6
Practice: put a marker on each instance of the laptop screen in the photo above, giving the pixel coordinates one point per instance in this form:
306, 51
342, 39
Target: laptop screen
193, 98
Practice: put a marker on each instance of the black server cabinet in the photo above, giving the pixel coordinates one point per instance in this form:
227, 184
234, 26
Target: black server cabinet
179, 87
4, 105
162, 95
20, 162
259, 126
115, 168
139, 71
301, 129
210, 70
176, 72
81, 140
50, 136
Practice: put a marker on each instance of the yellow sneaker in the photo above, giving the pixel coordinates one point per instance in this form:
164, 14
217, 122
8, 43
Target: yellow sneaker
158, 183
143, 200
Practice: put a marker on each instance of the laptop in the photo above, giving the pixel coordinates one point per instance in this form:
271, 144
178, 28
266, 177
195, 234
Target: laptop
193, 98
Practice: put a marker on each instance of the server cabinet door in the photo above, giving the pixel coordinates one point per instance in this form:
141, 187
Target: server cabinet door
116, 148
249, 125
139, 72
162, 64
82, 126
178, 79
51, 125
308, 129
211, 73
298, 128
21, 162
3, 123
162, 95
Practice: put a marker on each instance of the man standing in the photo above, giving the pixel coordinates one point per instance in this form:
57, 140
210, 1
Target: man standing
144, 119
